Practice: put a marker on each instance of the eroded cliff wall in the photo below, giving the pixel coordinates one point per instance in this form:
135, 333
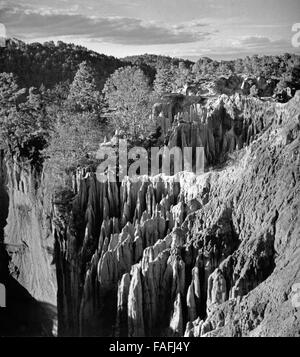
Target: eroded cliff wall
27, 269
215, 254
27, 233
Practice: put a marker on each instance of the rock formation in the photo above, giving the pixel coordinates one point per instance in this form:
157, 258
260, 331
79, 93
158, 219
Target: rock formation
230, 85
210, 255
27, 269
25, 233
215, 254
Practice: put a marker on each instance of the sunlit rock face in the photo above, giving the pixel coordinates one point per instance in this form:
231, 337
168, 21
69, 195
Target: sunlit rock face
27, 269
215, 254
4, 199
27, 236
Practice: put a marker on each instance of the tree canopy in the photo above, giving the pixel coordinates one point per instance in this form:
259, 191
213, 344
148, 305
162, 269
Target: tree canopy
128, 96
83, 94
24, 123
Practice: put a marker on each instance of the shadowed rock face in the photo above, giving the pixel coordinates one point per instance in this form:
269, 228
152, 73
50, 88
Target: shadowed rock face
215, 254
220, 125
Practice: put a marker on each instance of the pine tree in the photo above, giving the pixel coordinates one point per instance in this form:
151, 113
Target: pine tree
164, 80
84, 95
183, 76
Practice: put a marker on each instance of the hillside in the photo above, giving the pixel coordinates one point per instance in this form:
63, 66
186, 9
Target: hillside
49, 63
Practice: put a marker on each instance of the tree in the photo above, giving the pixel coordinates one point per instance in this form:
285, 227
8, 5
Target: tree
73, 141
256, 66
128, 96
239, 66
9, 92
183, 75
24, 124
83, 95
225, 68
59, 93
164, 80
50, 64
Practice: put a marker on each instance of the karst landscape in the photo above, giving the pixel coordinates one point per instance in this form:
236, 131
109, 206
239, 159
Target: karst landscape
209, 255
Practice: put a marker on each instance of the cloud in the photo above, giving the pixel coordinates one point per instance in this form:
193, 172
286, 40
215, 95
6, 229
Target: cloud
240, 47
29, 23
261, 42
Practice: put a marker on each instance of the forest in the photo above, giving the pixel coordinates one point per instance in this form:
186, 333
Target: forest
58, 101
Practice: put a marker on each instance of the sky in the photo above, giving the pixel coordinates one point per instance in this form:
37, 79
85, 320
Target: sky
219, 29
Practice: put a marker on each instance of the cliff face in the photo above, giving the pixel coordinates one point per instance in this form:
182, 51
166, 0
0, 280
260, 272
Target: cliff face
221, 125
4, 200
27, 235
3, 196
215, 254
27, 269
